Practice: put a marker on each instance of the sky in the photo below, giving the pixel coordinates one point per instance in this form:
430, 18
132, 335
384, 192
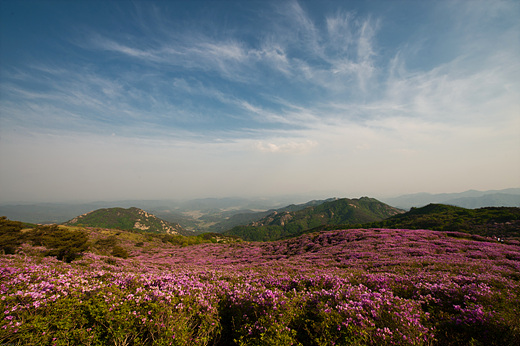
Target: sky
112, 100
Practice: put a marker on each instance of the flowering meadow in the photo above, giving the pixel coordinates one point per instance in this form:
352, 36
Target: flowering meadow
343, 287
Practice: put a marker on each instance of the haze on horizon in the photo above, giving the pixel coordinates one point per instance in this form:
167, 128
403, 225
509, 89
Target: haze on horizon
122, 100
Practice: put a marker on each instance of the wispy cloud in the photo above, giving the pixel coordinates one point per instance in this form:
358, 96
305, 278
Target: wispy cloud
339, 67
344, 48
110, 45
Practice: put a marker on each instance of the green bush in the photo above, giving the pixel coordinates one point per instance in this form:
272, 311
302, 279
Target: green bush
10, 235
115, 316
105, 243
66, 245
119, 251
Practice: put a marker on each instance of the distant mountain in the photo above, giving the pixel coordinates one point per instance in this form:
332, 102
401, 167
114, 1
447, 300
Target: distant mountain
126, 219
490, 221
467, 199
45, 213
170, 210
491, 200
287, 223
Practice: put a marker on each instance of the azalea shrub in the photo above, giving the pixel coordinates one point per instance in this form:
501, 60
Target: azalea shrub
343, 287
64, 244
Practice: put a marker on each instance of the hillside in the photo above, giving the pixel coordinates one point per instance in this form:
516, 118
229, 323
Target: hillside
282, 224
503, 222
343, 287
126, 219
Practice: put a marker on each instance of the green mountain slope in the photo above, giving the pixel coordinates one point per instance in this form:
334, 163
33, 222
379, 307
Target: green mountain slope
283, 224
490, 221
126, 219
231, 219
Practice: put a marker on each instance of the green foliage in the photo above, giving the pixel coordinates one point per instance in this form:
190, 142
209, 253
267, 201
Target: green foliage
10, 235
264, 320
119, 218
108, 317
105, 243
181, 240
119, 251
65, 244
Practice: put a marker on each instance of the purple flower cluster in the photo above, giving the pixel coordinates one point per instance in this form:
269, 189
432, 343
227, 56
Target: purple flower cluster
364, 287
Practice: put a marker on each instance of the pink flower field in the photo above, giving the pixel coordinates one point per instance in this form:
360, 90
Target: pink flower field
344, 287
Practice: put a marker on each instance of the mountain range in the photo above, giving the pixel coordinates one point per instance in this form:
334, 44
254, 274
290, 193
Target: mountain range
469, 199
320, 215
191, 214
221, 214
287, 221
314, 216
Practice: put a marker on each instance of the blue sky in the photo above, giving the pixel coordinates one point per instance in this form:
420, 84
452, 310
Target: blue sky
108, 100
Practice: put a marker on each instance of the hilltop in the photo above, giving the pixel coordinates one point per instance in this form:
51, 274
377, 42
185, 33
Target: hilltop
498, 222
490, 221
127, 219
288, 223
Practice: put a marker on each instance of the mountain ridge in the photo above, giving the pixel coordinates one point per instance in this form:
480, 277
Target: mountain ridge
246, 217
215, 210
284, 223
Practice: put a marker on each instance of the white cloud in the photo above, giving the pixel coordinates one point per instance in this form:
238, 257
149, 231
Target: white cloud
339, 29
111, 45
286, 147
